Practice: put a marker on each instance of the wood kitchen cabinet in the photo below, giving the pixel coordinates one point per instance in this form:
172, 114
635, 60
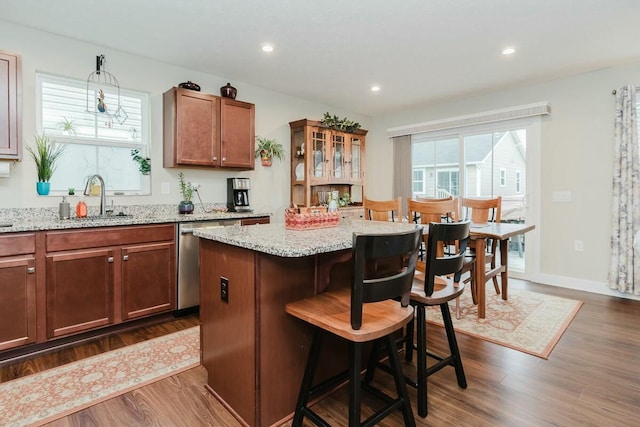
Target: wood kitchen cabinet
148, 279
10, 108
18, 290
103, 276
207, 131
324, 159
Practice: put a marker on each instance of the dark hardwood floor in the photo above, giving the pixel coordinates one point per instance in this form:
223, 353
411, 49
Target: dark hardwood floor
592, 378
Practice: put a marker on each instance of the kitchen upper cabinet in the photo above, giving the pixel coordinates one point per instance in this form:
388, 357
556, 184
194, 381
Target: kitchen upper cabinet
324, 159
17, 290
204, 130
10, 108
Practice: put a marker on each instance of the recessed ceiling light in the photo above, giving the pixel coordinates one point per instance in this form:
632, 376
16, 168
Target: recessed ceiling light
375, 88
508, 51
267, 48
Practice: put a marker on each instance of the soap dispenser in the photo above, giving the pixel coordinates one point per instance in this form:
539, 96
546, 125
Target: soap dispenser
64, 209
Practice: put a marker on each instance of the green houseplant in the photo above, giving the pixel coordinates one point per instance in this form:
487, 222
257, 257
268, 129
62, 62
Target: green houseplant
45, 154
186, 189
267, 148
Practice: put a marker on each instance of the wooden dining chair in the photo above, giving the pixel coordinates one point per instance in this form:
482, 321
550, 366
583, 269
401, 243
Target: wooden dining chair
383, 210
367, 312
439, 210
482, 211
440, 285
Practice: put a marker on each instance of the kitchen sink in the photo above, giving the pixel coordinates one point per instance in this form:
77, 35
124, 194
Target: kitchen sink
103, 217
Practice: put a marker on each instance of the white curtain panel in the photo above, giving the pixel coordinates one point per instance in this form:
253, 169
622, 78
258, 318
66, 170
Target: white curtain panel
402, 169
625, 263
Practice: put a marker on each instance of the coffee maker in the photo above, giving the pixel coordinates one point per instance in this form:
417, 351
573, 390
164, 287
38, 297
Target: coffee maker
238, 195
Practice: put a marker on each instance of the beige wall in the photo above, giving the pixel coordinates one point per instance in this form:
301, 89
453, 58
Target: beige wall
576, 155
66, 57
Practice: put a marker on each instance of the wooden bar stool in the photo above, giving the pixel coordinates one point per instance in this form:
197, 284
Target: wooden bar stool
366, 312
432, 292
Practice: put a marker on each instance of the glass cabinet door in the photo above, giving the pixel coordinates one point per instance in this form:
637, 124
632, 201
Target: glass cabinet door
356, 159
319, 160
338, 148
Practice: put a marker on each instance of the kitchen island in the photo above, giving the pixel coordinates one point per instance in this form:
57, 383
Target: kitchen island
253, 351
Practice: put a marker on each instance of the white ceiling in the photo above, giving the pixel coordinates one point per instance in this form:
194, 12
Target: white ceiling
333, 51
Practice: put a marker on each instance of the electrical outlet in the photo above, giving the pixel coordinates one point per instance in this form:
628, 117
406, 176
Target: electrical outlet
224, 289
578, 245
196, 186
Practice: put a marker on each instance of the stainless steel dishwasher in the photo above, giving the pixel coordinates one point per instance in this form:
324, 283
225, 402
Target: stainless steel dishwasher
188, 292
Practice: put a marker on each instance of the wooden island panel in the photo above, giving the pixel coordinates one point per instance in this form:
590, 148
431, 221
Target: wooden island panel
254, 353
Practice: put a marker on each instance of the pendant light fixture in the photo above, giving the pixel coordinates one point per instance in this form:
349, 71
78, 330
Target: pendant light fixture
103, 94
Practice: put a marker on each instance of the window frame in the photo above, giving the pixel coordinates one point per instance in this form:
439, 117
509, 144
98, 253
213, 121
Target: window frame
144, 144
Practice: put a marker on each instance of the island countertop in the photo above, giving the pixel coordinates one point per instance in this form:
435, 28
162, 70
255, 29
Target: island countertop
275, 239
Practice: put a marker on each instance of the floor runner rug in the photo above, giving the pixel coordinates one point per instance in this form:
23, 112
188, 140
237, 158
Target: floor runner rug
48, 395
528, 321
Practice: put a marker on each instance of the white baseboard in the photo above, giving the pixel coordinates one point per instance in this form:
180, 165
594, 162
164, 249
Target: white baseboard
581, 285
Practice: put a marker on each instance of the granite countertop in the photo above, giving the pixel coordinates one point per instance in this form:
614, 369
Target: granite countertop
275, 239
47, 219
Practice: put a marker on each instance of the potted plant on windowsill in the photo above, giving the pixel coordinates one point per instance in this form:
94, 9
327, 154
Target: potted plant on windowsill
185, 206
267, 149
45, 154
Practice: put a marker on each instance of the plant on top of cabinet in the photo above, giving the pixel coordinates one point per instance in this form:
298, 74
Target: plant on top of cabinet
334, 122
267, 149
45, 155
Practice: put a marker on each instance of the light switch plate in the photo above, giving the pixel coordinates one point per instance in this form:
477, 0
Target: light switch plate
562, 196
164, 188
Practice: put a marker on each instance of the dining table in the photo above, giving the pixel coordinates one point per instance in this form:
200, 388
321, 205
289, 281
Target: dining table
501, 231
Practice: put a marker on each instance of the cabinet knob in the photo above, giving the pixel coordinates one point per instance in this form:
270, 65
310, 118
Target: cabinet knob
110, 259
31, 270
215, 158
224, 159
125, 258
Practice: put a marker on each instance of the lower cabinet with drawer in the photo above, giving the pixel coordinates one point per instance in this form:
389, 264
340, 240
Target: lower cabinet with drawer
17, 290
103, 276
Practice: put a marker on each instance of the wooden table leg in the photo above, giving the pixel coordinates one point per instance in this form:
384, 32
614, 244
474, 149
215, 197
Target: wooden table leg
504, 259
481, 248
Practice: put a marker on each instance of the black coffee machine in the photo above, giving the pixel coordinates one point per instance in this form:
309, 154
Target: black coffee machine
238, 195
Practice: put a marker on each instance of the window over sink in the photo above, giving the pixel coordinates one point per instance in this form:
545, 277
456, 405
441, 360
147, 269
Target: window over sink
116, 147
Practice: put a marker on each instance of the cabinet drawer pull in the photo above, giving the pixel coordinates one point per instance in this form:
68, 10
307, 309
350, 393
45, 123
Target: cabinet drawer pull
31, 270
125, 258
110, 259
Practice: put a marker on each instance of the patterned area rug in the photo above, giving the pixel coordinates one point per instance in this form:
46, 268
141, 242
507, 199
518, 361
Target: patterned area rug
48, 395
529, 322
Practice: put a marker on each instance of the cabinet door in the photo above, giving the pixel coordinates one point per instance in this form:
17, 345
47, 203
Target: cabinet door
148, 279
17, 302
237, 139
197, 128
320, 154
10, 113
79, 291
338, 157
355, 162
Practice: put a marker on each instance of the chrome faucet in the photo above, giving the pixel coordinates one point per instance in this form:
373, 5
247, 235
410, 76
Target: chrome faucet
103, 197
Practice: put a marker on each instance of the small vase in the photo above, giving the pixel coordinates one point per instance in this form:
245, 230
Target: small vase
266, 161
228, 91
185, 207
42, 188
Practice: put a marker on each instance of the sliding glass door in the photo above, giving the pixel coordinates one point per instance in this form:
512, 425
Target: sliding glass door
494, 163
